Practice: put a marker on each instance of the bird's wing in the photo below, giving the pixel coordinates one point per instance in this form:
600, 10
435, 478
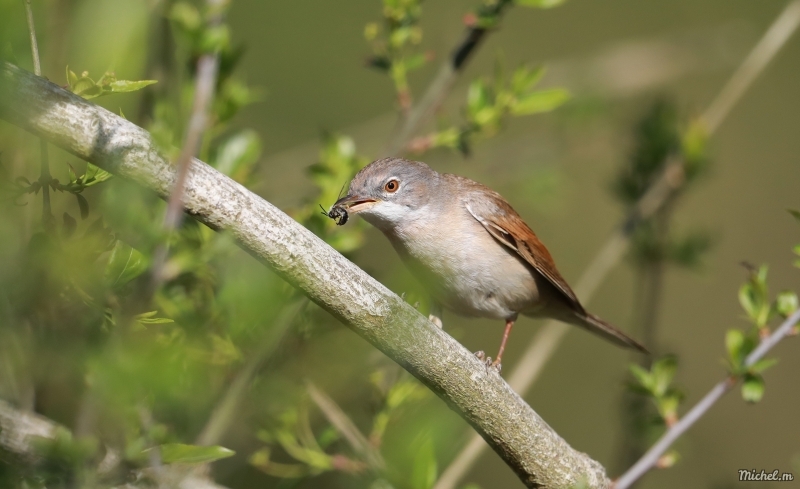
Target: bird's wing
507, 227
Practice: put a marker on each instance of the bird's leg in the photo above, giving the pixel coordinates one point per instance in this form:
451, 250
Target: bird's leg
506, 334
435, 315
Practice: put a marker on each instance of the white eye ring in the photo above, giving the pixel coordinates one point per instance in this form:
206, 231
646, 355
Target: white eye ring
391, 186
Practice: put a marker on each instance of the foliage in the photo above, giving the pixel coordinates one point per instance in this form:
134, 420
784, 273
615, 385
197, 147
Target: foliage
760, 311
489, 104
395, 48
106, 85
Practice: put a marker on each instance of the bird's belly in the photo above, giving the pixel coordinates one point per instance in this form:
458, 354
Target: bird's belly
495, 285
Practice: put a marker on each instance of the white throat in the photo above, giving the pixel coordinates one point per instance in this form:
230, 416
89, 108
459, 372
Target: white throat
386, 216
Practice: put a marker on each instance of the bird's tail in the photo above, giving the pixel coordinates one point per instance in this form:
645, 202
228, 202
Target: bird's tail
599, 327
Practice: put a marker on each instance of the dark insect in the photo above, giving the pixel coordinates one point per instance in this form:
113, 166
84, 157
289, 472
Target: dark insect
338, 214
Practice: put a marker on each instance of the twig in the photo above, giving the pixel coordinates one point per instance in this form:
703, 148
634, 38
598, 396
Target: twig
44, 177
649, 459
543, 345
226, 409
535, 452
440, 86
207, 68
773, 40
345, 426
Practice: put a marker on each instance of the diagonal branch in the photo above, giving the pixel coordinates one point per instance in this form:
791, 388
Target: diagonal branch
649, 459
536, 453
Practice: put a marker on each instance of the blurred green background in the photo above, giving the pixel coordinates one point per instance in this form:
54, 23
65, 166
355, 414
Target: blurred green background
308, 60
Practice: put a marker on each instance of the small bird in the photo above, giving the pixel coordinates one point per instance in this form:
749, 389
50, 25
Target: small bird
467, 246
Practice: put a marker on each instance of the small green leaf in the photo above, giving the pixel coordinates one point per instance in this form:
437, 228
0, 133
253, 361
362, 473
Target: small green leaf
539, 3
178, 453
122, 86
763, 364
477, 96
541, 101
643, 376
86, 88
72, 78
750, 300
124, 264
734, 340
662, 373
786, 303
83, 204
753, 388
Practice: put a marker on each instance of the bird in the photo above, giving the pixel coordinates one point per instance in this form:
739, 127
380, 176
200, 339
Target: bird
467, 246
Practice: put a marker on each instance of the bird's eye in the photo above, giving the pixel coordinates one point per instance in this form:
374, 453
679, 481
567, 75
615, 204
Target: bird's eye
392, 186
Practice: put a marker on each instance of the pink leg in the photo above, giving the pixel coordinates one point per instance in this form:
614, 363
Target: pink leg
506, 334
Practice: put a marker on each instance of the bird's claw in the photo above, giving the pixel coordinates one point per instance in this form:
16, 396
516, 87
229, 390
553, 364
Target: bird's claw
487, 361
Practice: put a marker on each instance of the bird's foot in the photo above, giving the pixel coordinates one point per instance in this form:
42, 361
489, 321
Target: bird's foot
487, 361
435, 320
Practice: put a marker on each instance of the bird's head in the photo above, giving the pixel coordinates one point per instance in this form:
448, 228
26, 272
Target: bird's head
388, 192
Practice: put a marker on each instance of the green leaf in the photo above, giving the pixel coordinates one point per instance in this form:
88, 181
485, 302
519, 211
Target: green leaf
795, 213
122, 86
643, 376
94, 175
524, 79
86, 88
477, 96
124, 264
149, 318
541, 101
178, 453
763, 364
83, 204
662, 373
753, 388
748, 300
72, 78
539, 3
734, 340
786, 303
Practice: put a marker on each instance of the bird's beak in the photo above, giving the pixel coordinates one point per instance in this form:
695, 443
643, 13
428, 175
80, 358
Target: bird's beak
354, 203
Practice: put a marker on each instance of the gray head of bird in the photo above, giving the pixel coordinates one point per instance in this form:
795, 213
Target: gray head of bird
390, 192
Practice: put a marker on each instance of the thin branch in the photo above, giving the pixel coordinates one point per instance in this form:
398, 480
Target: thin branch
206, 81
37, 65
440, 86
345, 426
773, 40
535, 452
549, 337
44, 172
649, 459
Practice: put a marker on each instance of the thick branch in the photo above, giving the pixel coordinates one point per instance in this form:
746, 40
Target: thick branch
527, 444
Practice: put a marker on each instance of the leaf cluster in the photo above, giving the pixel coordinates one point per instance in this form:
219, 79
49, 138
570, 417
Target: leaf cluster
490, 103
395, 47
